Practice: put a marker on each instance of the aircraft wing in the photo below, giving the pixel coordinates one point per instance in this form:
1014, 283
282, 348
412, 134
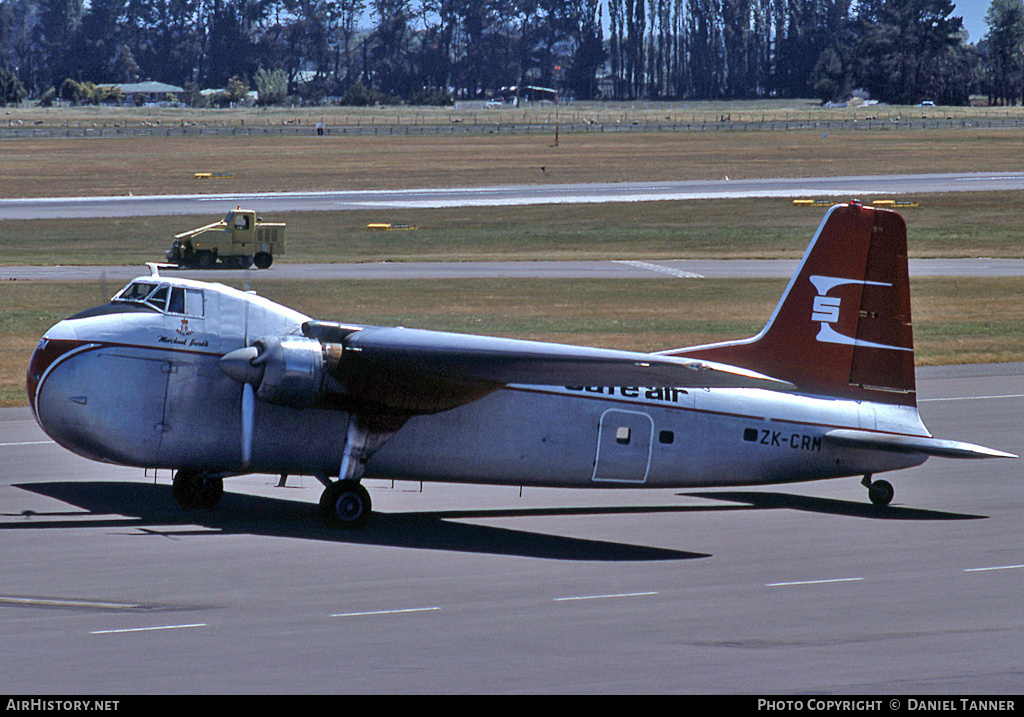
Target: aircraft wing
466, 357
912, 444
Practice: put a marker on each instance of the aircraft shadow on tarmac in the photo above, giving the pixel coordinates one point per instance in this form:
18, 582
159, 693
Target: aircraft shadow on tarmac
150, 509
760, 500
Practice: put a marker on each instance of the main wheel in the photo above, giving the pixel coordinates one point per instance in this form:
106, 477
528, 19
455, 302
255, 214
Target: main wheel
195, 489
881, 492
263, 260
345, 504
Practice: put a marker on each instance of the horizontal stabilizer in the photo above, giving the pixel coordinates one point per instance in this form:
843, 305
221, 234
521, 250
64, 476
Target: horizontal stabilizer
467, 357
912, 444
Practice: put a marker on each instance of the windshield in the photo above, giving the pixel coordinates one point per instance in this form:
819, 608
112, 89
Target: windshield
136, 291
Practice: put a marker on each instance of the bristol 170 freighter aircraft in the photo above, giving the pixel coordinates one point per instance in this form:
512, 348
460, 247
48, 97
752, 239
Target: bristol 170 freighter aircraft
214, 382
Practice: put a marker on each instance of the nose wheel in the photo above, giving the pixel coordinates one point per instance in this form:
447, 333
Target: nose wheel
880, 492
195, 489
345, 504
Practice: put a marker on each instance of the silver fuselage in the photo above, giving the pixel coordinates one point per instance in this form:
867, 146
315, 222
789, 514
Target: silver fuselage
144, 388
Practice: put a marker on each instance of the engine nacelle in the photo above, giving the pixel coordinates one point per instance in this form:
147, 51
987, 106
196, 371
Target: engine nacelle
301, 372
293, 370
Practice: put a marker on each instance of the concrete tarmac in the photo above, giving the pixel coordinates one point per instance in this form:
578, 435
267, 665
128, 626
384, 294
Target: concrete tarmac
618, 269
110, 588
842, 188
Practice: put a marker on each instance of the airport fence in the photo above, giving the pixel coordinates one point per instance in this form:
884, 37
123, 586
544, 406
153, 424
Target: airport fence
473, 126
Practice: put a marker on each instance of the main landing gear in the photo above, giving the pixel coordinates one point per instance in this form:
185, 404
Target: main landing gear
196, 489
345, 504
879, 491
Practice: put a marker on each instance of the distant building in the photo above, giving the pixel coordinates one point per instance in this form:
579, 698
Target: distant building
136, 92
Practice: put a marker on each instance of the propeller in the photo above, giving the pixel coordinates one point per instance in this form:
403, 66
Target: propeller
283, 370
248, 416
240, 365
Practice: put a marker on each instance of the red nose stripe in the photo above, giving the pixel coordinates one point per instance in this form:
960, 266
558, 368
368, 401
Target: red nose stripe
48, 353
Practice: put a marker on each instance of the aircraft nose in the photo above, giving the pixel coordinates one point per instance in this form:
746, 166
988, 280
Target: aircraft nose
56, 346
55, 394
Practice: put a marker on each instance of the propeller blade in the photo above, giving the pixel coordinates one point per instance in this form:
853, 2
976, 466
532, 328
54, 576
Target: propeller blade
248, 411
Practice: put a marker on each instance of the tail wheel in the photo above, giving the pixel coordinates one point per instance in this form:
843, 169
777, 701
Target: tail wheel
345, 504
263, 260
195, 489
881, 492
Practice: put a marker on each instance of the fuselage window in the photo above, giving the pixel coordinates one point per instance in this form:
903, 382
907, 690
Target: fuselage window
666, 437
622, 435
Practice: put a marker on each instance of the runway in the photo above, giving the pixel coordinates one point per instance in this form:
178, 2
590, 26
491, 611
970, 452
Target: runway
111, 589
615, 269
339, 200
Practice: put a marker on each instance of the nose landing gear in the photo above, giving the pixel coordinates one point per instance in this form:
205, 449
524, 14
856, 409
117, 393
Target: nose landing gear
196, 489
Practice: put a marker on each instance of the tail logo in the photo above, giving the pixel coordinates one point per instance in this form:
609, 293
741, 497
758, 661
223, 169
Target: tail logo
826, 311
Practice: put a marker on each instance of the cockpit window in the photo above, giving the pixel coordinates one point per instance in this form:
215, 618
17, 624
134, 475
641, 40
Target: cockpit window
185, 301
158, 298
194, 302
136, 291
164, 298
177, 303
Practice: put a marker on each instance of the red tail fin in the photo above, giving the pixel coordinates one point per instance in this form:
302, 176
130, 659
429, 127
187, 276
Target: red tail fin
843, 325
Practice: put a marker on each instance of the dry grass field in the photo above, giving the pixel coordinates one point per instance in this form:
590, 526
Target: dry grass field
955, 225
167, 165
955, 321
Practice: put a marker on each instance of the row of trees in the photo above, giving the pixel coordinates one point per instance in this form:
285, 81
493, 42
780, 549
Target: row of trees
901, 51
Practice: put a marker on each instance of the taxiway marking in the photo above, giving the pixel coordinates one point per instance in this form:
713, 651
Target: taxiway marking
814, 582
147, 629
602, 597
384, 612
997, 567
659, 268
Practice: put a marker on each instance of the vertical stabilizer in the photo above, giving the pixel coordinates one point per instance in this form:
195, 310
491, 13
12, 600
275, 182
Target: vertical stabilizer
843, 325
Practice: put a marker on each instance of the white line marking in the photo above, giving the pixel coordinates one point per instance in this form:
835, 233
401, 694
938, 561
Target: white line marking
814, 582
661, 269
601, 597
997, 567
384, 612
147, 629
26, 443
